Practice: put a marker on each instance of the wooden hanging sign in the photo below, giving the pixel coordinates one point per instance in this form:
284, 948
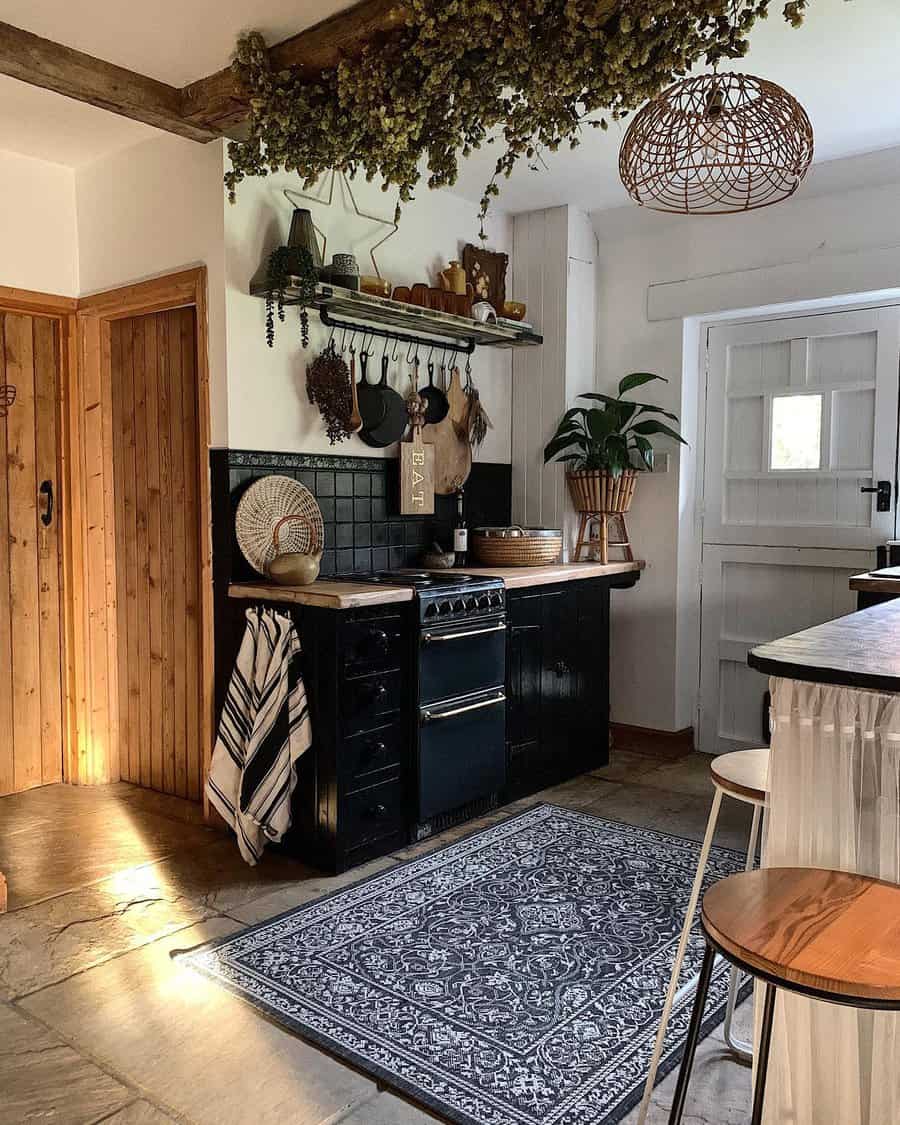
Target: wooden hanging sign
416, 466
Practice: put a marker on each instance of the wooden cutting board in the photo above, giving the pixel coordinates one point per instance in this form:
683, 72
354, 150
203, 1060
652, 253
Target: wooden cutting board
450, 438
416, 476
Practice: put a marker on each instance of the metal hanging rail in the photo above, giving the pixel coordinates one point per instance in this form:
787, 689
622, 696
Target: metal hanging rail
466, 348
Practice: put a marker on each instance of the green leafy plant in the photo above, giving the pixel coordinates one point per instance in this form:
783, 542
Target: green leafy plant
289, 265
612, 437
449, 76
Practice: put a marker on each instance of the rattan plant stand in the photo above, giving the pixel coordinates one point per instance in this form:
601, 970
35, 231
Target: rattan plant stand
593, 535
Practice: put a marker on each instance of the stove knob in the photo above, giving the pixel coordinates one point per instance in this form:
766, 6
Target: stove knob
444, 608
484, 602
459, 606
431, 609
471, 604
496, 598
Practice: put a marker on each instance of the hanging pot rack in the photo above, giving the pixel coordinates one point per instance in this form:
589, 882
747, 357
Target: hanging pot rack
387, 319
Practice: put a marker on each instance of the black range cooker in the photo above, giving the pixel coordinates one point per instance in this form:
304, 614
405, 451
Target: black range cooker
460, 673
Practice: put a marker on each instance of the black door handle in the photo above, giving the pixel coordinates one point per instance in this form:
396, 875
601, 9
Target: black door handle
46, 489
883, 491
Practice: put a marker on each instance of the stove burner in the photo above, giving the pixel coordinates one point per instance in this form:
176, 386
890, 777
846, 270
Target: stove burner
419, 578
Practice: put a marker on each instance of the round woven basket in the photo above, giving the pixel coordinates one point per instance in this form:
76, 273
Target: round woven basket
595, 490
519, 550
263, 506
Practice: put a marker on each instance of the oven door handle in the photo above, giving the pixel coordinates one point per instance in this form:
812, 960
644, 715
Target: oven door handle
434, 716
431, 638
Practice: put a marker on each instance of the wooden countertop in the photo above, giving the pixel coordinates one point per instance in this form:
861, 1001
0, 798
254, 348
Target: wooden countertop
861, 650
875, 585
331, 595
515, 577
354, 595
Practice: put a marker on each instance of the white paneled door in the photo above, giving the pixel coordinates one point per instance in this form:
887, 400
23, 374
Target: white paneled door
801, 426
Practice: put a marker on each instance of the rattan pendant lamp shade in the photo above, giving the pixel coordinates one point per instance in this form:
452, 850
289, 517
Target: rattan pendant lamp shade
716, 144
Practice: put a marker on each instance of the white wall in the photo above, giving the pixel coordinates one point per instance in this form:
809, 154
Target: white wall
268, 407
38, 240
554, 267
153, 209
848, 235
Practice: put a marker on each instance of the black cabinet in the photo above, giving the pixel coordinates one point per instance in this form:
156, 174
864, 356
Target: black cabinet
557, 683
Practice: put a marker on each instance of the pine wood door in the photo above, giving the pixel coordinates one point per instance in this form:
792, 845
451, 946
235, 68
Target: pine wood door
31, 709
158, 549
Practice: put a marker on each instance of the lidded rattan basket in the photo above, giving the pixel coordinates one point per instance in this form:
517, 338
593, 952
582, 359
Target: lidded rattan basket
516, 546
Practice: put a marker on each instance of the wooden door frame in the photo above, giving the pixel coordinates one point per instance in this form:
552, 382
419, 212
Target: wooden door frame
62, 310
93, 675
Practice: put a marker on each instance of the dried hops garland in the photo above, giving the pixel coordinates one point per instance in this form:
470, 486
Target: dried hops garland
530, 75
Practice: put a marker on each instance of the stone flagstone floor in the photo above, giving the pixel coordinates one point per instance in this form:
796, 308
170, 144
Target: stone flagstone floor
98, 1024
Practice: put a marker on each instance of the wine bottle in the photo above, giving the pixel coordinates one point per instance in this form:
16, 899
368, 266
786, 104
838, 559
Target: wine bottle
460, 533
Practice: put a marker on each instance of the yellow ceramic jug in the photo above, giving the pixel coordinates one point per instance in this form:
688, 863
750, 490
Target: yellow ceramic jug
453, 278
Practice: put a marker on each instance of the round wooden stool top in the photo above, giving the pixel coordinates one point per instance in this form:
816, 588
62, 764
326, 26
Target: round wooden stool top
831, 933
743, 774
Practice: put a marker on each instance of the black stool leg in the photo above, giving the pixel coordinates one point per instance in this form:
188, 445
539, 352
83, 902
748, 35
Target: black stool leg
693, 1036
762, 1065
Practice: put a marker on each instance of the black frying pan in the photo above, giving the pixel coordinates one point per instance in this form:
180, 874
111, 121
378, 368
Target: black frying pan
436, 405
371, 404
393, 426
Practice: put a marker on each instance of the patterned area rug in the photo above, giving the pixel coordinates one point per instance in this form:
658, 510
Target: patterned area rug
513, 978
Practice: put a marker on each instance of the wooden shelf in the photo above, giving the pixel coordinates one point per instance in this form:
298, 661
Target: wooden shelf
362, 308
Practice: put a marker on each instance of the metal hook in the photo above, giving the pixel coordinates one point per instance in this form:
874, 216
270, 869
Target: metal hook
394, 353
331, 341
412, 344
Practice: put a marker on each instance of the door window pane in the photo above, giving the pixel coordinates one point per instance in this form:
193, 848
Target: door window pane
796, 432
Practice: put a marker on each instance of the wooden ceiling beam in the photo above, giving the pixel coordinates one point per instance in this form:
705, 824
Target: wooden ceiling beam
216, 102
209, 108
41, 62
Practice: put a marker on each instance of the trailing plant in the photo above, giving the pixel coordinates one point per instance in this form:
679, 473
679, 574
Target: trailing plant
614, 436
289, 265
454, 75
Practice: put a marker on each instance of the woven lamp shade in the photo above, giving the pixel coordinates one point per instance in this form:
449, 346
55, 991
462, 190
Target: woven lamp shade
717, 144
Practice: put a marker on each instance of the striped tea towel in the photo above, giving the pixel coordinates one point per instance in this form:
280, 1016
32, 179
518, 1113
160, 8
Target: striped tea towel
263, 731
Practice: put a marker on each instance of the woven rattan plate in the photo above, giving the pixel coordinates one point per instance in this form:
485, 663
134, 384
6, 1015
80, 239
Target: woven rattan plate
266, 502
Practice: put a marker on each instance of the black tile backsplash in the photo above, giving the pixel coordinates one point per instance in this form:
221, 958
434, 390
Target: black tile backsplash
359, 500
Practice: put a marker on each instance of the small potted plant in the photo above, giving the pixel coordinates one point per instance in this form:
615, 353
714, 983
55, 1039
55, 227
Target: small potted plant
605, 446
289, 265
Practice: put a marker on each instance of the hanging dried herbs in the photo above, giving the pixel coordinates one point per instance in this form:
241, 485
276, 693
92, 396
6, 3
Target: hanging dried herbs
289, 265
328, 388
530, 75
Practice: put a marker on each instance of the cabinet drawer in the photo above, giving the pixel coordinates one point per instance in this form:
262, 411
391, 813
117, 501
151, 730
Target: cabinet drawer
367, 701
372, 814
371, 645
366, 754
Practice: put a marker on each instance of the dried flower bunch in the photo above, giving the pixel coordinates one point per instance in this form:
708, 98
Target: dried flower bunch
531, 75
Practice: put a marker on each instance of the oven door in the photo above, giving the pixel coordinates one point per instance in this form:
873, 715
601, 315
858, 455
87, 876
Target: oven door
460, 659
462, 751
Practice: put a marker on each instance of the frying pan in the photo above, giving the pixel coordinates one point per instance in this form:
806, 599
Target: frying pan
371, 405
436, 405
393, 426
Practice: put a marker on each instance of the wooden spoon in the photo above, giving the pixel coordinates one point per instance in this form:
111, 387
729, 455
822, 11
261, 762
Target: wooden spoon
354, 422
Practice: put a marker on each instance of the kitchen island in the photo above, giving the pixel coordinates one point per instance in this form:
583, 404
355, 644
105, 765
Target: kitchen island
835, 803
431, 704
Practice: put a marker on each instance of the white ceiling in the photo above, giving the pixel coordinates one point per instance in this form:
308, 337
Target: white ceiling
841, 64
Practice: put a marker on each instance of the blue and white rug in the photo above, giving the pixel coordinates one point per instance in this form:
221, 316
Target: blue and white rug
513, 978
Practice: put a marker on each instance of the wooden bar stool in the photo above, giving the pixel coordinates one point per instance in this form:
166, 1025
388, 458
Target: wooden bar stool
742, 775
829, 935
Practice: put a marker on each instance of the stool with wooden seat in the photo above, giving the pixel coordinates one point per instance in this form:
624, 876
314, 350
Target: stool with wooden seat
829, 935
742, 775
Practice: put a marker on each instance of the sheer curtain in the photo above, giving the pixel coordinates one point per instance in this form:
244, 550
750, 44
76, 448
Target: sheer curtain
835, 802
